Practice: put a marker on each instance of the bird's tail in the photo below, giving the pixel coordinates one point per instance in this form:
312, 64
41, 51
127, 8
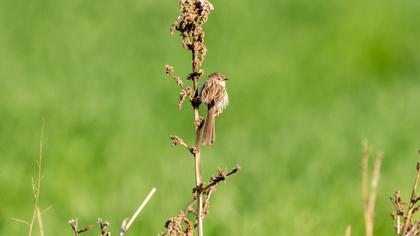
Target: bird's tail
209, 133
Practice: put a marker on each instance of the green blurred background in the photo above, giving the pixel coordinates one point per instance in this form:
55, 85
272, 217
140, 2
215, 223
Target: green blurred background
309, 80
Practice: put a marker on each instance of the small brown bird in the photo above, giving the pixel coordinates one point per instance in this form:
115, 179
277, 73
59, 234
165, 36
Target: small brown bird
214, 95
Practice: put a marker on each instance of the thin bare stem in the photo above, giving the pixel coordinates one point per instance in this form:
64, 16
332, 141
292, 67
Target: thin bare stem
178, 141
374, 183
369, 194
348, 231
21, 221
211, 187
126, 226
364, 172
41, 225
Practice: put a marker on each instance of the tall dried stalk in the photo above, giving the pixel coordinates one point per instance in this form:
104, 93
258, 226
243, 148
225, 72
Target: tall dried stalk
127, 223
36, 186
369, 193
36, 189
194, 14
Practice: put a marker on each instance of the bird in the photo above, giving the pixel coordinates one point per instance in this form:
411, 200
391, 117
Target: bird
213, 94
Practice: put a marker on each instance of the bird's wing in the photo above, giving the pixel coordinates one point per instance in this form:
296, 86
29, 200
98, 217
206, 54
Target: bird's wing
212, 92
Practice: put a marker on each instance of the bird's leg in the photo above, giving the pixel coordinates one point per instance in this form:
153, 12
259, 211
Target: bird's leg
199, 122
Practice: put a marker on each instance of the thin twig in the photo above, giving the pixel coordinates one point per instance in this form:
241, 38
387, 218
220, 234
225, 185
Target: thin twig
47, 209
364, 172
21, 221
175, 226
210, 188
126, 226
178, 141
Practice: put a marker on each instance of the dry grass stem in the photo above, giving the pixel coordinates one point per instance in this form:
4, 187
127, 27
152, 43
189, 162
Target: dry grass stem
36, 187
348, 231
40, 222
36, 190
126, 224
21, 221
369, 192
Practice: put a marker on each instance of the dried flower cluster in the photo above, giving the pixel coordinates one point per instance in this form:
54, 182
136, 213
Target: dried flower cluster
179, 225
185, 91
404, 222
194, 13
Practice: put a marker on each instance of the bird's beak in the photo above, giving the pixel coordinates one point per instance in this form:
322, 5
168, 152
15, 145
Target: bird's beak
226, 78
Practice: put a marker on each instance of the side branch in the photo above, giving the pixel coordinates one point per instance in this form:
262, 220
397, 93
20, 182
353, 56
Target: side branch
175, 224
185, 91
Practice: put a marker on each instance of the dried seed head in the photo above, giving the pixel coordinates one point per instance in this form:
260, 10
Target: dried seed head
183, 94
194, 13
169, 69
177, 141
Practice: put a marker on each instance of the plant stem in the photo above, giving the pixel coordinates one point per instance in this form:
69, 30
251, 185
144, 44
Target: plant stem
197, 153
37, 186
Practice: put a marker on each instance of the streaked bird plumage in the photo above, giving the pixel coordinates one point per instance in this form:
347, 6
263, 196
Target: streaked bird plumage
214, 95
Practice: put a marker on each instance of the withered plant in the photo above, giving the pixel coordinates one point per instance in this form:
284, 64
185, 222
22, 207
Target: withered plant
368, 187
36, 189
403, 214
369, 192
194, 14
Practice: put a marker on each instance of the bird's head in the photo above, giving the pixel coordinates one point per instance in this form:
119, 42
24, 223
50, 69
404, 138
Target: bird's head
219, 77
